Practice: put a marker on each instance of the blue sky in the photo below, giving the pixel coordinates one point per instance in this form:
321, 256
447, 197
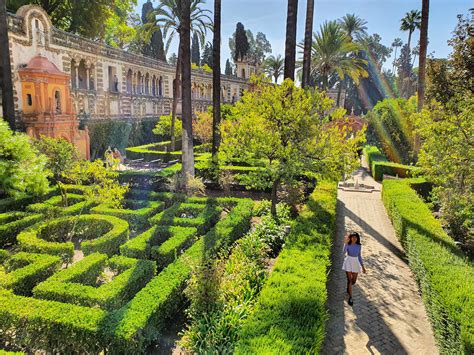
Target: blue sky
383, 17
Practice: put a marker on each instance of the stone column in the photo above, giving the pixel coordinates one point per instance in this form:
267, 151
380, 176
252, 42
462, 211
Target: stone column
88, 78
76, 68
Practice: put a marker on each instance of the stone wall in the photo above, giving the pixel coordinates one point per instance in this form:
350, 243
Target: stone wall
106, 82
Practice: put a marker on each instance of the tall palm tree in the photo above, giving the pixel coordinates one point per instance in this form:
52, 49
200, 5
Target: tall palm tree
290, 44
6, 83
333, 53
308, 37
353, 26
169, 15
185, 40
216, 78
425, 9
397, 43
410, 23
274, 66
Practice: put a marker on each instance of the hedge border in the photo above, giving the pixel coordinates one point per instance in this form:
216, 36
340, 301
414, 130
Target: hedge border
445, 276
108, 243
23, 278
133, 276
380, 165
9, 230
291, 312
50, 206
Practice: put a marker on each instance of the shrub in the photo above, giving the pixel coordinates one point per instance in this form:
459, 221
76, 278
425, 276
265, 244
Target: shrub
132, 276
380, 166
155, 151
99, 233
14, 222
136, 213
55, 206
141, 246
291, 310
24, 270
444, 275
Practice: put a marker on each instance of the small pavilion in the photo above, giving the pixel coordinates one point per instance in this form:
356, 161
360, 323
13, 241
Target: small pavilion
47, 104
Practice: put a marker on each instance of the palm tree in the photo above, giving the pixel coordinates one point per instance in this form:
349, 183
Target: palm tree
169, 15
397, 42
353, 26
6, 83
410, 23
290, 45
185, 40
333, 53
308, 37
422, 52
274, 66
216, 78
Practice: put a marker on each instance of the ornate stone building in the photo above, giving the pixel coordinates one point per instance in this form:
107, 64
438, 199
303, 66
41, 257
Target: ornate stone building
105, 82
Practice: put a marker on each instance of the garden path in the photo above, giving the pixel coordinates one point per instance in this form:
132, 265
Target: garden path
388, 315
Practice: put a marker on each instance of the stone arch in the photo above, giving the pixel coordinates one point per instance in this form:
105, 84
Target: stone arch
33, 12
82, 75
129, 81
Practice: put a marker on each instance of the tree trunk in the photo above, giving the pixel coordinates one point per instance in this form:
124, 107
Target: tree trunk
274, 197
187, 149
216, 78
290, 45
6, 83
394, 61
422, 55
325, 82
175, 97
339, 92
308, 37
409, 38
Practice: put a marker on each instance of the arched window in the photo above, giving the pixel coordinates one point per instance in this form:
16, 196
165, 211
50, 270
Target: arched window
82, 75
153, 86
129, 81
243, 73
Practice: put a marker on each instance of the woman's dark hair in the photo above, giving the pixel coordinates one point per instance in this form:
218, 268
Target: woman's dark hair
354, 234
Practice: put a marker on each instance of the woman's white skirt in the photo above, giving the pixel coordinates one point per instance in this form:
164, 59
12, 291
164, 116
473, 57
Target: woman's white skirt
351, 264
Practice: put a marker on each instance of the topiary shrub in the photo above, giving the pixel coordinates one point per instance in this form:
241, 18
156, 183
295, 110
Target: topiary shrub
97, 233
14, 222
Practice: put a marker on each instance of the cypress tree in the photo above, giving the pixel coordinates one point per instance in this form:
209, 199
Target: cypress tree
228, 68
241, 42
207, 57
195, 51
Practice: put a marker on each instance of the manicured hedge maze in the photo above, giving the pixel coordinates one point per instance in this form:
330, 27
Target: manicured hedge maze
14, 222
119, 296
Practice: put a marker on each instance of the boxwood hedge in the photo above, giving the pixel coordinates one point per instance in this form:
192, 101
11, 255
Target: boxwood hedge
136, 212
291, 312
444, 275
54, 236
53, 207
132, 276
380, 166
14, 222
22, 271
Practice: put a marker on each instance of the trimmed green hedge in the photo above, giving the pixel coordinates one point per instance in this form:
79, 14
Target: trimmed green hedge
140, 247
23, 271
291, 310
100, 233
444, 274
379, 165
141, 320
13, 223
198, 215
132, 276
136, 212
53, 206
156, 151
179, 240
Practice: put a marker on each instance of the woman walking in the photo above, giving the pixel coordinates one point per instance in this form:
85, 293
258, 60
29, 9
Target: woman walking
353, 261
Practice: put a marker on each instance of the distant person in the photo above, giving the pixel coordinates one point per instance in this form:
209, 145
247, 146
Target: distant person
353, 261
108, 157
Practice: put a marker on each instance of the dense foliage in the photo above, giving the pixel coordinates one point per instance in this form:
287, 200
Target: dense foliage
287, 127
22, 168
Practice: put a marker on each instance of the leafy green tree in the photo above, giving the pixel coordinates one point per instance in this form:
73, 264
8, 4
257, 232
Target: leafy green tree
195, 51
61, 155
207, 57
154, 46
228, 68
83, 17
411, 22
273, 67
22, 168
104, 187
286, 128
163, 127
121, 27
447, 159
255, 47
